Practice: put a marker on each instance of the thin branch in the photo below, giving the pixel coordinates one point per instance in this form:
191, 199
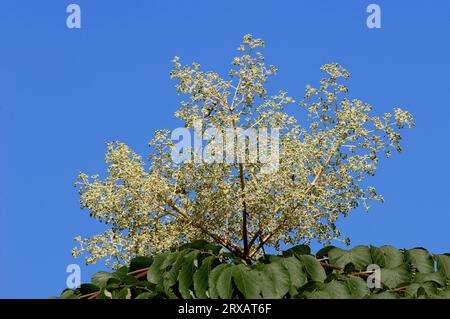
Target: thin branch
266, 238
258, 234
397, 289
92, 295
140, 273
322, 169
235, 94
335, 267
185, 216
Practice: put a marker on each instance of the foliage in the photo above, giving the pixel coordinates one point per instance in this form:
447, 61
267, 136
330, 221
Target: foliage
323, 159
203, 270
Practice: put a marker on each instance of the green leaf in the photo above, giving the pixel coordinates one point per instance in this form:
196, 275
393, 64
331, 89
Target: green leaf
122, 277
445, 293
100, 279
265, 284
411, 290
443, 265
277, 273
85, 289
384, 295
171, 275
201, 277
359, 256
436, 277
246, 281
124, 293
233, 258
129, 280
426, 289
393, 277
324, 252
378, 256
332, 290
202, 245
420, 259
297, 275
356, 286
122, 270
154, 274
140, 263
185, 276
310, 287
313, 268
196, 244
212, 280
106, 294
147, 295
170, 259
297, 251
69, 294
224, 286
392, 256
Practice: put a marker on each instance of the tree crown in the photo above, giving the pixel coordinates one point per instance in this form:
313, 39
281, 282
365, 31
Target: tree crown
320, 166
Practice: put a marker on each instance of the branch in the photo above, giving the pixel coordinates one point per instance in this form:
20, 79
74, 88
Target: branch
266, 238
92, 295
322, 169
188, 218
140, 273
244, 211
261, 229
235, 94
242, 181
307, 191
354, 273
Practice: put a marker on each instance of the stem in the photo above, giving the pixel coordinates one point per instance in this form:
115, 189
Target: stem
244, 212
140, 273
262, 247
242, 181
398, 289
92, 295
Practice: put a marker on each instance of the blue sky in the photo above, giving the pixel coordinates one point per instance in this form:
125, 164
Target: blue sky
64, 93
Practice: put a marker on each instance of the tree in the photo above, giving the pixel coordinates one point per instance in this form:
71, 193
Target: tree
239, 204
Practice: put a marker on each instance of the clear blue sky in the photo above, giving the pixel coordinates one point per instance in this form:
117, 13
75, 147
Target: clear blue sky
63, 93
